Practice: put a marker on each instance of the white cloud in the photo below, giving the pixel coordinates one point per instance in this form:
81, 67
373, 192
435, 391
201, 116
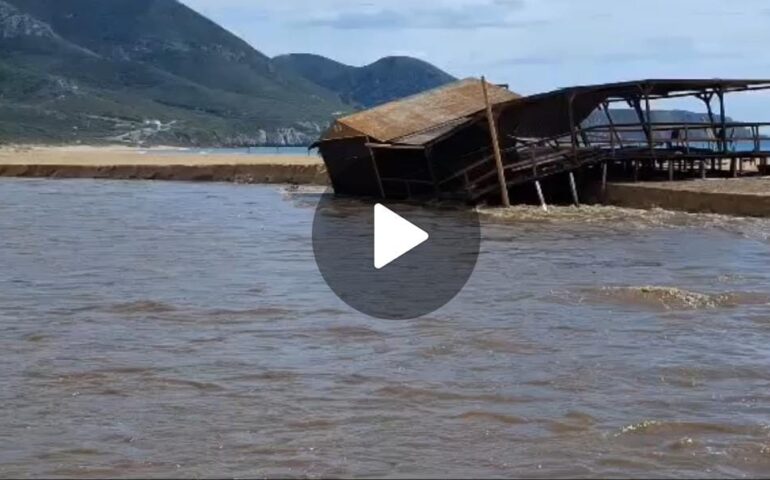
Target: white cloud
533, 45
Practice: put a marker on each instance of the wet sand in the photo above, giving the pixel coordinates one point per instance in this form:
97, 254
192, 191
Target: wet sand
727, 196
158, 164
743, 196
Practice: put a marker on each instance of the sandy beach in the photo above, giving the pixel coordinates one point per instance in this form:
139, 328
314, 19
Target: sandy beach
748, 196
121, 155
743, 196
163, 163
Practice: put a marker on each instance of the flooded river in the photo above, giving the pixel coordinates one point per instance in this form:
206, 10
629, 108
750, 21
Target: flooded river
172, 329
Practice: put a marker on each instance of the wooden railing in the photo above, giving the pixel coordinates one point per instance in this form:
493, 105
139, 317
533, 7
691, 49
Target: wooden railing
533, 158
689, 136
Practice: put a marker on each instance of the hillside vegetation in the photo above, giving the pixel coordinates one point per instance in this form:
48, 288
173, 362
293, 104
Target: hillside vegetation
145, 70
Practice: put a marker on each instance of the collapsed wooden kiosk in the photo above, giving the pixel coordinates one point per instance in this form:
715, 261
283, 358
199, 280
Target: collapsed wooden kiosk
437, 144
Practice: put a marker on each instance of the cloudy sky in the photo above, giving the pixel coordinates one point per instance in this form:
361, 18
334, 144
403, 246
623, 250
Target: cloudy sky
533, 45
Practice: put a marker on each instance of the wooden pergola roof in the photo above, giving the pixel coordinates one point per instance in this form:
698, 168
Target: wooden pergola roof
552, 113
417, 118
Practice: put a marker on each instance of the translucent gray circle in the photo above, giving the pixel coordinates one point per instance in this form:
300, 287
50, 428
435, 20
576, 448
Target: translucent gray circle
418, 283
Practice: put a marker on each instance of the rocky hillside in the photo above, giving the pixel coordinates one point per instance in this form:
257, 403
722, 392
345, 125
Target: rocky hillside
387, 79
145, 71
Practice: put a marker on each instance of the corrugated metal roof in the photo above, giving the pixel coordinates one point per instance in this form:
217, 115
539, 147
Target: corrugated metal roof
425, 111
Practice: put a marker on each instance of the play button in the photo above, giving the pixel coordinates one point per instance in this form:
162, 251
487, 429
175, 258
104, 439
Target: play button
394, 236
394, 260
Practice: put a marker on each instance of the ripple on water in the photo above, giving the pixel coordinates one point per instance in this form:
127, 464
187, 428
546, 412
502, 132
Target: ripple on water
670, 298
491, 417
119, 381
139, 306
573, 422
677, 428
169, 329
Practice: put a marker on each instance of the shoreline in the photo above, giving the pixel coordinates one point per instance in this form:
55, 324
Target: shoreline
748, 196
127, 163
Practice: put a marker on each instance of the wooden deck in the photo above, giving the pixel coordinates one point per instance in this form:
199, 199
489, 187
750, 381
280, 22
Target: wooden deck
687, 157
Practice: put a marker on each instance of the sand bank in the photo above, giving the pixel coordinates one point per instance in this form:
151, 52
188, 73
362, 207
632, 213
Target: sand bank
733, 196
744, 196
159, 164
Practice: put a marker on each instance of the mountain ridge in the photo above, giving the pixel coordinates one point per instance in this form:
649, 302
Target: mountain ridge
72, 80
157, 72
381, 81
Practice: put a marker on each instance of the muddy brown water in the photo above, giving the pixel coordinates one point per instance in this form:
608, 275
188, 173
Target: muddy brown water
154, 329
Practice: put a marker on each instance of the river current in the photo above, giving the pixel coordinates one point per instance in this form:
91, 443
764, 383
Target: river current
178, 329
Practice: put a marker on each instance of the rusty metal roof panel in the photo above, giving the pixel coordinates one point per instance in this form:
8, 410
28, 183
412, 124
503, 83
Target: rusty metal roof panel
425, 111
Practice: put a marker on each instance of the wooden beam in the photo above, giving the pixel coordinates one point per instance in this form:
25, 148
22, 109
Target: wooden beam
613, 133
637, 106
706, 98
648, 115
540, 196
604, 180
723, 129
496, 147
394, 147
376, 172
573, 133
573, 187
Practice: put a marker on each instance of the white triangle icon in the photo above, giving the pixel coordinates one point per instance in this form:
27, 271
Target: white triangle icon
394, 236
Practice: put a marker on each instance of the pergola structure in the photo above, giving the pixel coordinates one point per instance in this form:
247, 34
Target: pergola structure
543, 135
404, 148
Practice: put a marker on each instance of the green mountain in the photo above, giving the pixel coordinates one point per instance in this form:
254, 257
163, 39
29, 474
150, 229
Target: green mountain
385, 80
145, 71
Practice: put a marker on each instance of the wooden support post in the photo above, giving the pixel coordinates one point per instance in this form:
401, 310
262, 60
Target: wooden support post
573, 187
755, 137
671, 170
637, 104
496, 147
613, 132
648, 117
723, 131
540, 196
702, 169
376, 170
612, 144
645, 122
533, 159
604, 179
706, 97
572, 128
